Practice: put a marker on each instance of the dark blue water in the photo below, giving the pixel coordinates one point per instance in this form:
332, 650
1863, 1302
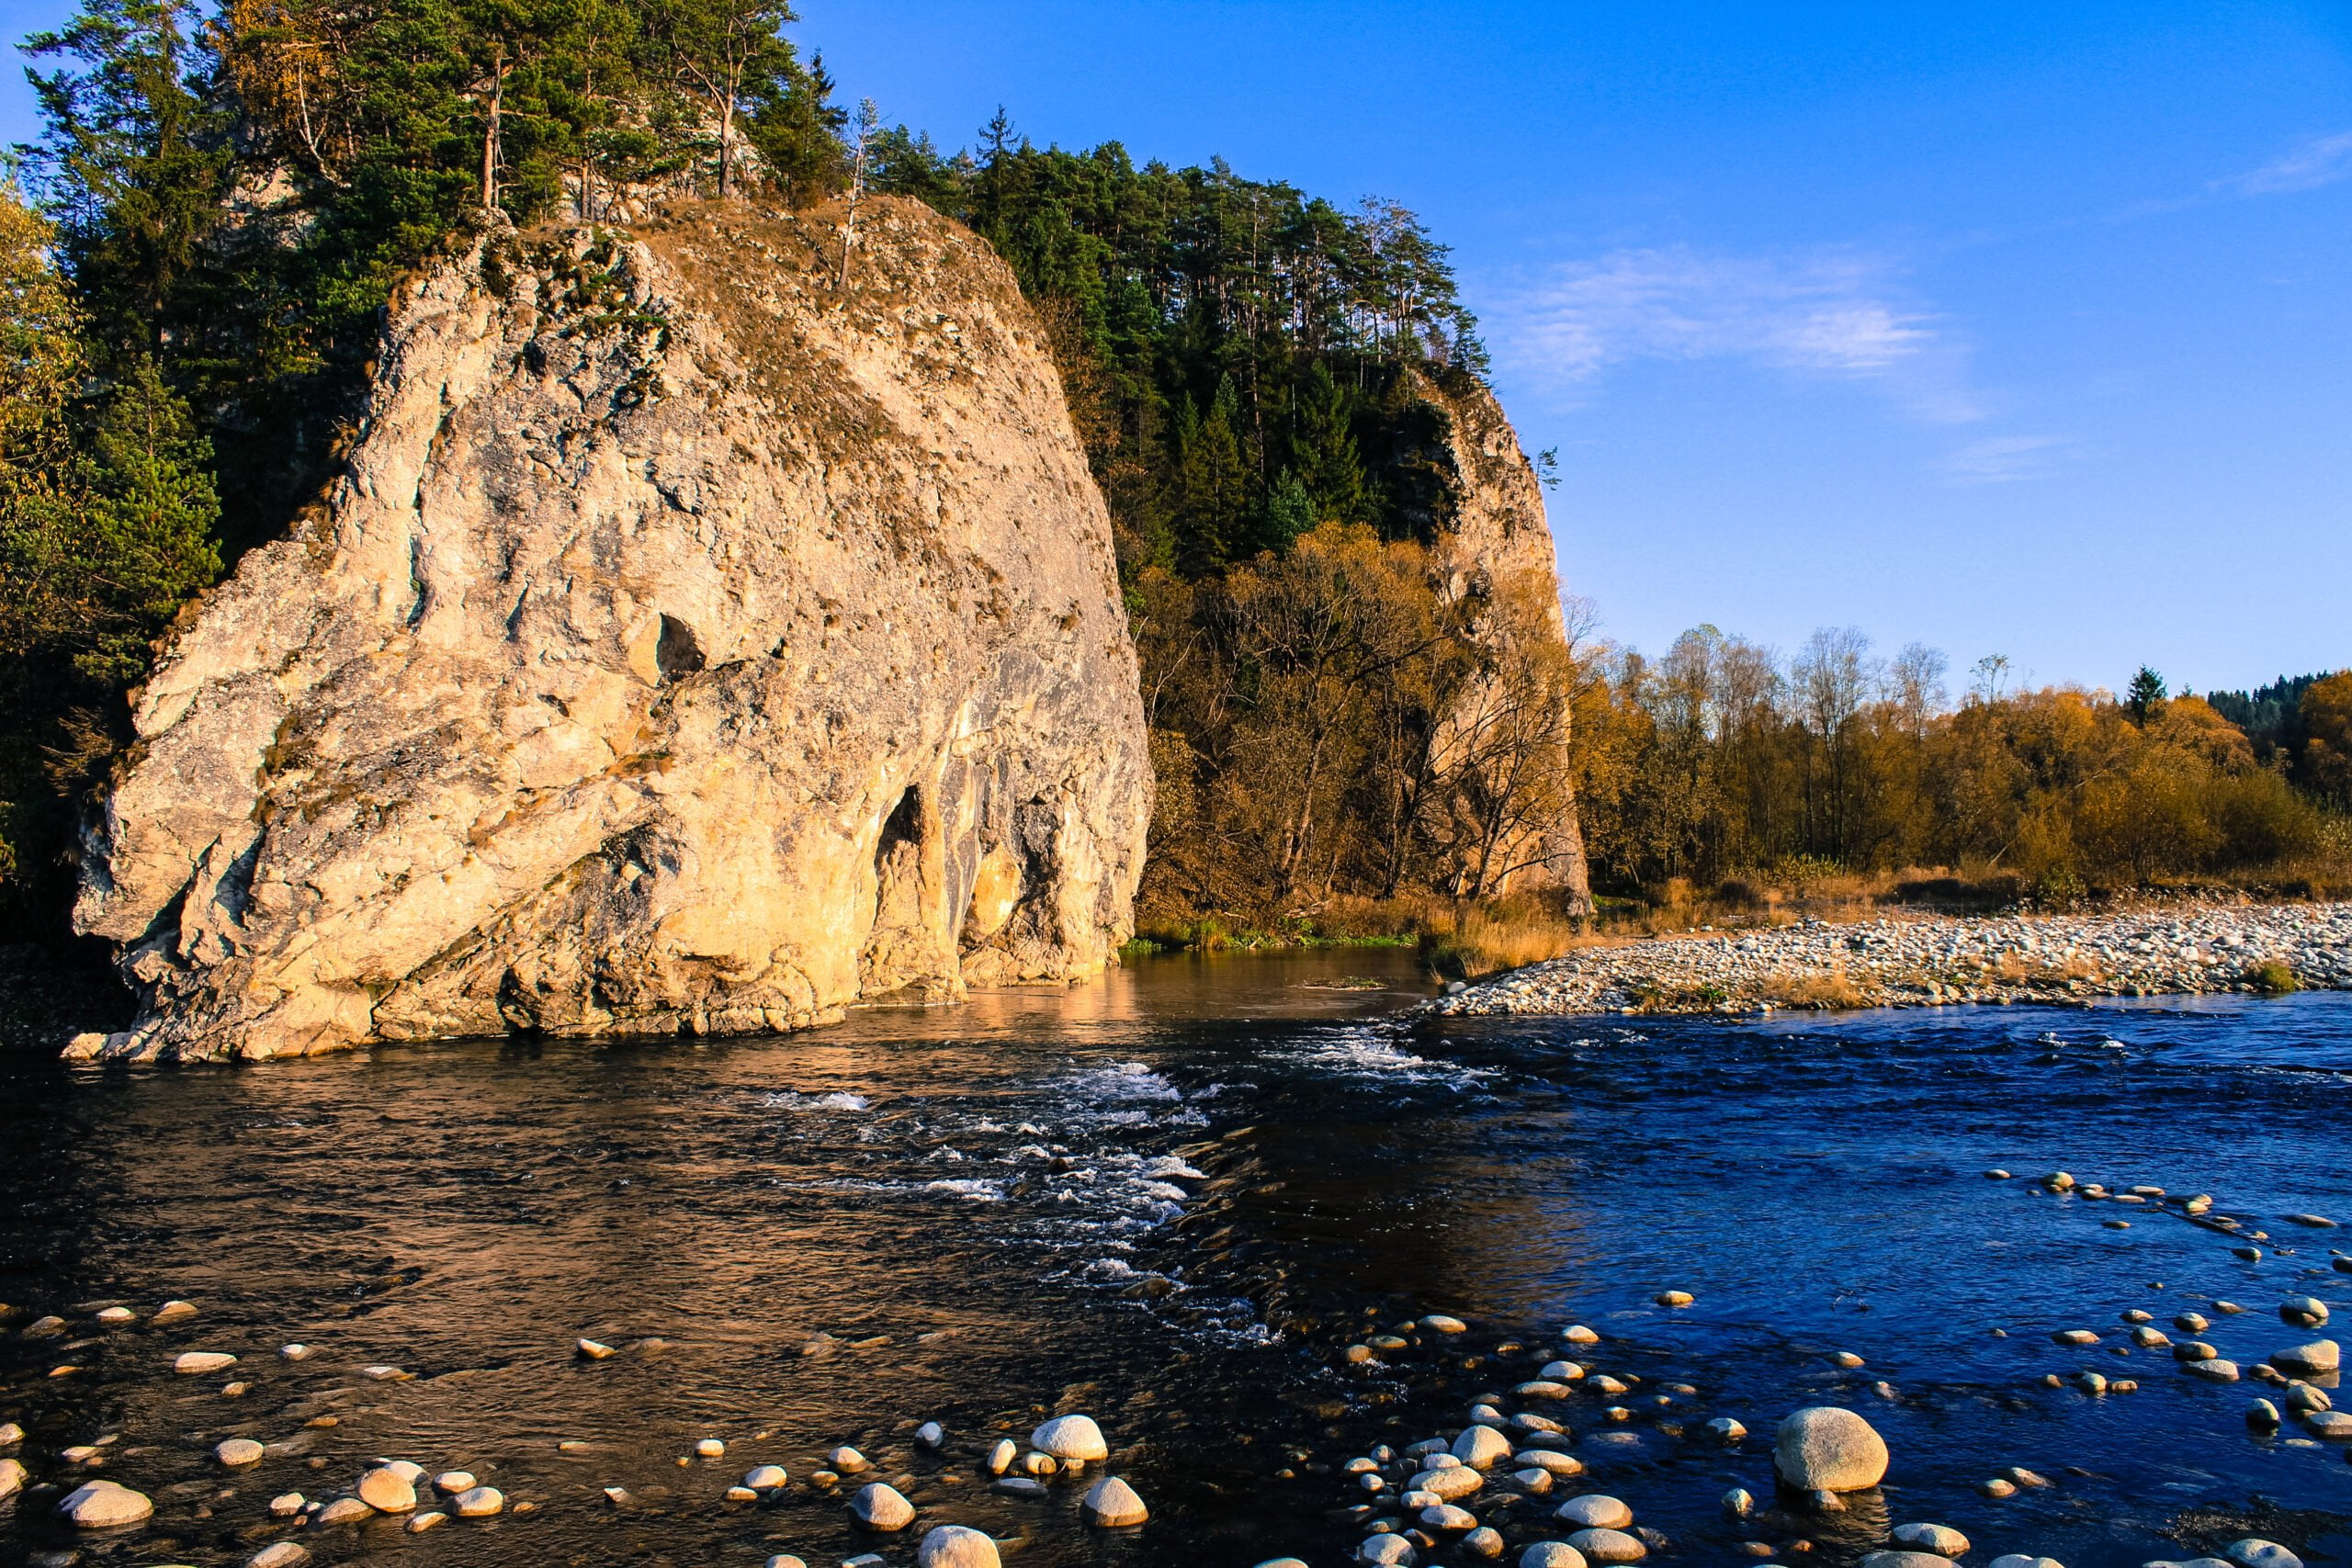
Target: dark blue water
1171, 1201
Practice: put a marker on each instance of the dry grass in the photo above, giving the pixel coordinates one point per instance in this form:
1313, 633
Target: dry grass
1813, 991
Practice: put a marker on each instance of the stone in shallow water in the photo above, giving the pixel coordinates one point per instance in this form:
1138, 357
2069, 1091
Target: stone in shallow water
1484, 1542
1387, 1550
1438, 1323
1596, 1509
956, 1546
419, 1523
1001, 1455
103, 1505
1446, 1517
12, 1477
195, 1363
173, 1312
236, 1452
1823, 1448
1110, 1502
1071, 1438
2022, 1560
1609, 1546
2304, 1311
2316, 1356
1904, 1560
450, 1482
1941, 1539
387, 1491
2216, 1369
478, 1502
1551, 1554
765, 1477
279, 1554
1481, 1446
2252, 1552
878, 1506
342, 1511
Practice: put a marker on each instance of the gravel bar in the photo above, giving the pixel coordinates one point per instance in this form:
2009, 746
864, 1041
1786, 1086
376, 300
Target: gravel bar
1928, 961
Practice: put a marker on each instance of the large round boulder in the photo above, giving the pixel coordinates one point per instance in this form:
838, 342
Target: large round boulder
1825, 1449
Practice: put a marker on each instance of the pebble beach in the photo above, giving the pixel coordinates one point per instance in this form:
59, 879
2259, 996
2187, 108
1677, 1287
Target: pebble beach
1928, 961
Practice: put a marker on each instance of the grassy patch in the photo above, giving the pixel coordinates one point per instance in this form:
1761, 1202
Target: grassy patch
2272, 977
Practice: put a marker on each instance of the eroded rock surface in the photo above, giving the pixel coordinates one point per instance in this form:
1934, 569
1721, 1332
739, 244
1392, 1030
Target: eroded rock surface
689, 641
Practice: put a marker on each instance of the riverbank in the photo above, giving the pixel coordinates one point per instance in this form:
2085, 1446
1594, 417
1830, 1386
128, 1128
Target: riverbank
1928, 960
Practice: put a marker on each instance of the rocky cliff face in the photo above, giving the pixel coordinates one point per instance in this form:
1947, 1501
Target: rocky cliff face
1498, 542
694, 645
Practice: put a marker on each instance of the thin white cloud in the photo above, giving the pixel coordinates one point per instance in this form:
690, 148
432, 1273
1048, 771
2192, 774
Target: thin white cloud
2322, 161
1829, 312
2003, 459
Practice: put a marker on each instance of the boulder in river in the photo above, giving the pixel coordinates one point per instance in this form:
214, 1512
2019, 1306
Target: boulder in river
880, 1507
1071, 1438
1113, 1504
956, 1546
104, 1505
1827, 1449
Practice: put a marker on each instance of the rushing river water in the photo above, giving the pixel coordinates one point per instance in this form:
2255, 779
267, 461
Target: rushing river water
1171, 1199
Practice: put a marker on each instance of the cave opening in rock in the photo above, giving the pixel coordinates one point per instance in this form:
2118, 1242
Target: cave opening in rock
679, 653
904, 826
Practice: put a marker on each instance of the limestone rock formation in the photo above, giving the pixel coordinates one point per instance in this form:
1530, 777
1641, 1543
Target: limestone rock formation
694, 643
1494, 541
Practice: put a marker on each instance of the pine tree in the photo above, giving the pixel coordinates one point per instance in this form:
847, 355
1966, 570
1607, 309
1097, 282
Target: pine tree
1323, 450
2146, 698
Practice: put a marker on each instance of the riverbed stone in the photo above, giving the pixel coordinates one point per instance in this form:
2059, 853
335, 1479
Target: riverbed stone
341, 1511
1824, 1448
12, 1477
1723, 1428
196, 1363
1904, 1560
1551, 1460
279, 1554
2328, 1424
387, 1491
881, 1507
1449, 1518
1551, 1554
1438, 1323
2262, 1415
1481, 1448
171, 1312
1609, 1546
2023, 1560
432, 1519
2304, 1311
956, 1546
2314, 1356
105, 1505
238, 1451
450, 1482
478, 1502
1941, 1539
1113, 1504
2252, 1552
1448, 1485
1075, 1438
1001, 1454
1387, 1552
1595, 1509
2213, 1367
765, 1477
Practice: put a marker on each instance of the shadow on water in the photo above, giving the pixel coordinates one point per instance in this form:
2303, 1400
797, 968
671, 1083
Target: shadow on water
1172, 1199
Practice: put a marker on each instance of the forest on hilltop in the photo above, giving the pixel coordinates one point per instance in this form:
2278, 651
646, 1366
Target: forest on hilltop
196, 261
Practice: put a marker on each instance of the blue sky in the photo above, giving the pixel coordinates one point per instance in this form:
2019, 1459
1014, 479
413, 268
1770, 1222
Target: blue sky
2017, 329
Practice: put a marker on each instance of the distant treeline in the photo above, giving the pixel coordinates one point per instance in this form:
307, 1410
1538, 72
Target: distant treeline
1723, 760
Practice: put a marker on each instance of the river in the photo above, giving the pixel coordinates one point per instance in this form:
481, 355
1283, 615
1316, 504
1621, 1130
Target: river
1171, 1199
